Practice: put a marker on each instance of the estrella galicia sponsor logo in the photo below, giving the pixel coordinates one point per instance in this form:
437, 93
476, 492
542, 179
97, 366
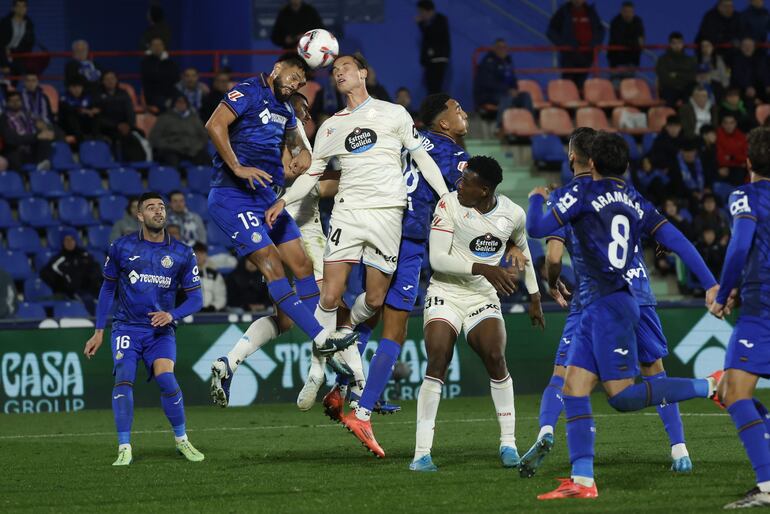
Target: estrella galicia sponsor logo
360, 140
485, 246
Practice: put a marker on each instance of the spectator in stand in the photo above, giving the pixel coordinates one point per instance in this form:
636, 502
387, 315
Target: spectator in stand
750, 73
675, 71
159, 77
73, 272
219, 87
404, 99
131, 145
698, 111
732, 150
26, 141
664, 263
114, 106
8, 295
246, 288
296, 18
128, 223
742, 111
495, 87
35, 101
374, 88
192, 88
755, 22
576, 24
190, 224
174, 231
212, 282
82, 68
712, 70
690, 176
435, 45
711, 250
710, 217
17, 34
626, 29
708, 154
664, 151
721, 26
157, 28
78, 114
179, 135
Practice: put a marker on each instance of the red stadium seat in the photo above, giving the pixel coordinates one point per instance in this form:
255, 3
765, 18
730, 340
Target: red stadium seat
762, 112
564, 93
592, 117
145, 122
128, 88
554, 120
53, 96
656, 117
600, 93
519, 122
533, 88
636, 92
617, 113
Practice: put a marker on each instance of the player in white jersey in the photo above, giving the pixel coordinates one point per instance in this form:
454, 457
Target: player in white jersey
469, 234
367, 138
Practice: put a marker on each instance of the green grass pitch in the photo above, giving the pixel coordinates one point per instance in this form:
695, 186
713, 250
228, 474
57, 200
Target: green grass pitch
272, 458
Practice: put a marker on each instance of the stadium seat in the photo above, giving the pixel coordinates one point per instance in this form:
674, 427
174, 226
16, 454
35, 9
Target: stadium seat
617, 114
112, 208
564, 93
30, 310
519, 122
53, 236
16, 264
163, 179
99, 237
535, 91
647, 141
656, 117
215, 236
85, 182
592, 117
548, 148
566, 173
23, 239
96, 154
36, 290
70, 309
129, 89
600, 93
762, 111
125, 181
636, 92
36, 212
98, 255
53, 96
145, 122
198, 204
61, 157
199, 178
554, 120
76, 211
42, 257
13, 185
48, 184
6, 216
633, 149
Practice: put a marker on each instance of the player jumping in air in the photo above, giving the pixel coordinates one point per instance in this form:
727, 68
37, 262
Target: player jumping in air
468, 238
146, 269
747, 266
607, 217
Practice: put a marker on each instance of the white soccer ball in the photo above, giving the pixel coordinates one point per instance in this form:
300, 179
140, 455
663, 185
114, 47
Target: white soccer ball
318, 47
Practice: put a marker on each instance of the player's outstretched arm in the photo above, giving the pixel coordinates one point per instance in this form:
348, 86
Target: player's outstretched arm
539, 223
299, 147
672, 238
738, 249
519, 237
103, 308
429, 170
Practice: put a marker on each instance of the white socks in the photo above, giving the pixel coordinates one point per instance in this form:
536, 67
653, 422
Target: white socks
260, 332
427, 408
502, 396
180, 439
360, 311
122, 447
352, 358
545, 429
678, 451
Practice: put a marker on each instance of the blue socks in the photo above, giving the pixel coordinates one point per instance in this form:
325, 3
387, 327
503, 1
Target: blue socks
762, 410
123, 409
285, 298
753, 433
581, 434
380, 370
660, 390
550, 403
669, 415
171, 400
307, 290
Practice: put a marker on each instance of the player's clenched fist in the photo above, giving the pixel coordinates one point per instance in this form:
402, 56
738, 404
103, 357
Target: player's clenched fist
502, 279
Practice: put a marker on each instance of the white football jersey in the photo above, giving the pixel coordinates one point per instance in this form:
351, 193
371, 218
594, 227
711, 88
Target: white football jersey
481, 238
368, 141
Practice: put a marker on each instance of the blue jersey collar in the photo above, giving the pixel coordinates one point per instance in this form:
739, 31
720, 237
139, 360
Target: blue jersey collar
166, 238
439, 134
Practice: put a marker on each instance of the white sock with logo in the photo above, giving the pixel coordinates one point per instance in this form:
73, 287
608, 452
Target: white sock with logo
327, 318
502, 396
360, 311
259, 333
427, 407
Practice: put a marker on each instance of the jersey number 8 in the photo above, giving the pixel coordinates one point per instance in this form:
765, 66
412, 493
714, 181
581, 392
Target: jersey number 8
617, 252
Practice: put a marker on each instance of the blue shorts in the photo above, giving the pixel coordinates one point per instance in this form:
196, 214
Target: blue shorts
567, 335
605, 342
405, 285
133, 344
749, 346
241, 216
650, 340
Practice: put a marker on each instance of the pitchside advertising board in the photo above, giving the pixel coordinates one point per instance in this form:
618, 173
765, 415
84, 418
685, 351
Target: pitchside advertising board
44, 370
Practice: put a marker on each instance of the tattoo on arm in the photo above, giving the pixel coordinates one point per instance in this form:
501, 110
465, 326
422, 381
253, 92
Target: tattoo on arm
294, 142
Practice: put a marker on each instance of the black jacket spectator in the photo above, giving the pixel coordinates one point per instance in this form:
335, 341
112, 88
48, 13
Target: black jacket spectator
712, 252
114, 105
17, 34
755, 21
676, 72
78, 114
435, 45
374, 88
576, 24
665, 149
495, 76
711, 218
720, 25
292, 21
626, 29
81, 68
159, 77
708, 154
246, 288
73, 272
131, 145
26, 141
750, 73
219, 87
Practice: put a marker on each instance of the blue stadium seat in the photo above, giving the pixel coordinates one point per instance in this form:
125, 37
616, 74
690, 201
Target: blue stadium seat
61, 157
24, 239
53, 236
99, 237
647, 141
30, 310
98, 255
36, 212
125, 181
112, 208
85, 182
48, 184
548, 148
163, 180
199, 178
70, 309
198, 204
36, 290
6, 216
216, 237
15, 264
76, 211
633, 149
13, 185
42, 257
96, 154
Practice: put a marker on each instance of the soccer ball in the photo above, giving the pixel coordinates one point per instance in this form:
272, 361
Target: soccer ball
318, 47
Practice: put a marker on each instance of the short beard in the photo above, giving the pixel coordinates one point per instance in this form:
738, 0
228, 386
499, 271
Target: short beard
277, 87
155, 230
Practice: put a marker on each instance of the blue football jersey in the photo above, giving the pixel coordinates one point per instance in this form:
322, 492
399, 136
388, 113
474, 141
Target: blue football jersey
149, 275
638, 278
421, 199
256, 135
607, 217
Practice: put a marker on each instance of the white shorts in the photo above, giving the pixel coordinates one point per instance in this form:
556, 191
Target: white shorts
314, 240
369, 235
461, 311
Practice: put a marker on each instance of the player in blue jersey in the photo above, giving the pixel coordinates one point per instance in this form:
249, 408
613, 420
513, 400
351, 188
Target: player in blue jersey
248, 129
607, 217
146, 269
747, 267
